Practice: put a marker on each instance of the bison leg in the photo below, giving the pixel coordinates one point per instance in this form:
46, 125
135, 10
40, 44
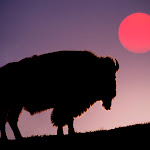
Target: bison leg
70, 127
58, 120
13, 119
3, 116
60, 130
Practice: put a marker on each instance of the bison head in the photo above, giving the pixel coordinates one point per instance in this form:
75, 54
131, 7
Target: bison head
108, 81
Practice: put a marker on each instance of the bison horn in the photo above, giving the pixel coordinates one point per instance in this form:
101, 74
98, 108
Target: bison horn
117, 65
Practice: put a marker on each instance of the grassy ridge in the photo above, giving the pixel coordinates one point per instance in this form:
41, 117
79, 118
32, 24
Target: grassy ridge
135, 131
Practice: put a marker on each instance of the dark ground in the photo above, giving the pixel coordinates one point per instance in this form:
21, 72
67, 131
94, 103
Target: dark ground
138, 131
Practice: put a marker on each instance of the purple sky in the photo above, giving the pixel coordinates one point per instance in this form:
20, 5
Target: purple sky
30, 27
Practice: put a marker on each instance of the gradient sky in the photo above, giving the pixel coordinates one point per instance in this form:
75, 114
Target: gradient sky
29, 27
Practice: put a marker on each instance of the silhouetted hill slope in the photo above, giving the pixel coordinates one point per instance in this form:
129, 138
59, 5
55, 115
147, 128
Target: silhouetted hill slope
133, 131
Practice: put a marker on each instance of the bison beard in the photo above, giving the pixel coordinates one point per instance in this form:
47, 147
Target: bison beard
68, 81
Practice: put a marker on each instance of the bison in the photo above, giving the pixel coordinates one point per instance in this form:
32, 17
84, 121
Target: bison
67, 81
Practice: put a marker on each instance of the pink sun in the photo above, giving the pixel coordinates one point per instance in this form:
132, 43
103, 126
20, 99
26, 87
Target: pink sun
134, 32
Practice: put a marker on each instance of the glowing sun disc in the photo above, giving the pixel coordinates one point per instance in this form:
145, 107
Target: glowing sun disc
134, 32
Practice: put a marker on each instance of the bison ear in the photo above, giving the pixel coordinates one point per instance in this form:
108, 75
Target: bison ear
117, 65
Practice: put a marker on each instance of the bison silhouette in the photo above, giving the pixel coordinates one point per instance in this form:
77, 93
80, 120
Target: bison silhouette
68, 81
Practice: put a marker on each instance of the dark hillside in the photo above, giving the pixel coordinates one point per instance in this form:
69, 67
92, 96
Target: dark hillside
134, 131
